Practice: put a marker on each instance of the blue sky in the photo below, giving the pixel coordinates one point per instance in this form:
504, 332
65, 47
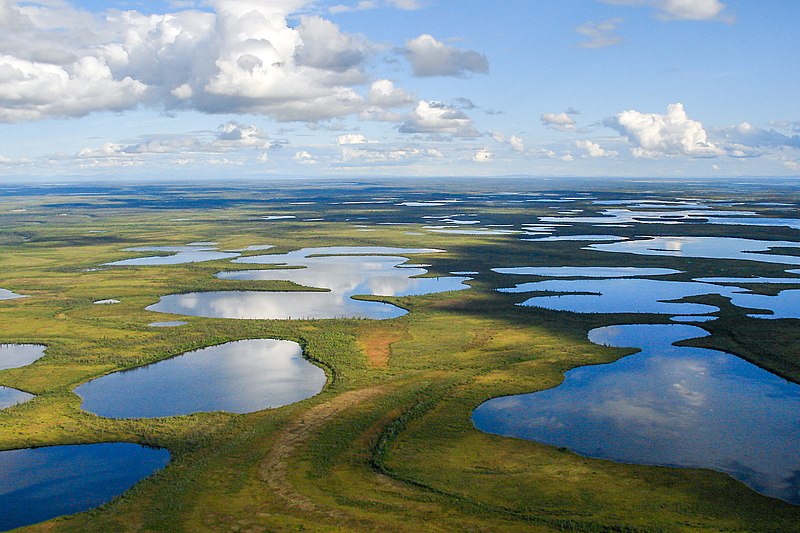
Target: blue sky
228, 88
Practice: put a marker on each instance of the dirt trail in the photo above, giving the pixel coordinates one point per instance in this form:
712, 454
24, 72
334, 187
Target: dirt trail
274, 469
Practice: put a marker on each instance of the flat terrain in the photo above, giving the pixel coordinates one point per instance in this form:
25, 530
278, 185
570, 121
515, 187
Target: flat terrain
388, 444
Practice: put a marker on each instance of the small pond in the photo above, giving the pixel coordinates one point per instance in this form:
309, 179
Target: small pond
10, 397
666, 405
336, 270
6, 294
37, 484
238, 377
18, 355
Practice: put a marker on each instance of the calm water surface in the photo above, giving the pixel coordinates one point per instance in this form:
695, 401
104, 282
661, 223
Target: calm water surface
654, 215
10, 397
273, 305
238, 377
666, 405
611, 290
342, 277
588, 238
586, 272
37, 484
705, 247
18, 355
785, 304
6, 294
620, 295
178, 255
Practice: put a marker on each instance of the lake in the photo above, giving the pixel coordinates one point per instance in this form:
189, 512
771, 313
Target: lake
238, 377
618, 290
336, 270
666, 405
10, 397
705, 247
619, 295
6, 294
18, 355
587, 272
37, 484
176, 255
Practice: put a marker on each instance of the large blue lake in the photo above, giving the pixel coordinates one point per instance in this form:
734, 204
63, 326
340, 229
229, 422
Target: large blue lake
666, 405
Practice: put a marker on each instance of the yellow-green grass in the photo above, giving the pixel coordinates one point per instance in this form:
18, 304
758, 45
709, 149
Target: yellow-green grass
385, 446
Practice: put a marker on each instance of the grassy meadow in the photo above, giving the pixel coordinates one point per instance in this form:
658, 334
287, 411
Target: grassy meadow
388, 444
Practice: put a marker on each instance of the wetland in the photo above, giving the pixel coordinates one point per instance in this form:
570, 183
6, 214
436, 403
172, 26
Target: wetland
513, 367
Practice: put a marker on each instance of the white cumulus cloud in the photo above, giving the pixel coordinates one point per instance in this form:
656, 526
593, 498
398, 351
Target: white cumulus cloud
429, 57
515, 142
672, 134
792, 164
749, 135
324, 46
229, 137
594, 150
691, 9
681, 9
387, 155
244, 57
482, 156
558, 121
384, 94
438, 119
351, 138
363, 5
30, 90
304, 158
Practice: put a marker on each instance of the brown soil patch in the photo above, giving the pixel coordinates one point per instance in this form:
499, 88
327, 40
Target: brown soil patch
377, 344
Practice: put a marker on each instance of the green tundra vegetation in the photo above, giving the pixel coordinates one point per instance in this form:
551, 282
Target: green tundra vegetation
389, 443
